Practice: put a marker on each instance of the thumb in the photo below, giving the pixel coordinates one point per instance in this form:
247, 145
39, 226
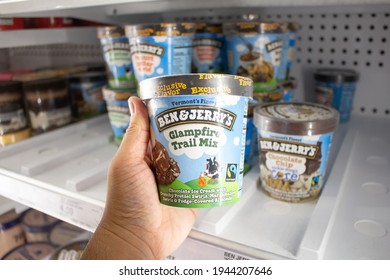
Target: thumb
135, 141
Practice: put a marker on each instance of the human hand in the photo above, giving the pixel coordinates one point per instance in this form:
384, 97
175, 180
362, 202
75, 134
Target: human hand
135, 225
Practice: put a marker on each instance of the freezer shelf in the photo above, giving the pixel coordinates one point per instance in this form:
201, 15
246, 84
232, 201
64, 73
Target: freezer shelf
44, 36
62, 173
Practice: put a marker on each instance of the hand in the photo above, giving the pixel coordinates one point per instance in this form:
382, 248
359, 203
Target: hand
135, 225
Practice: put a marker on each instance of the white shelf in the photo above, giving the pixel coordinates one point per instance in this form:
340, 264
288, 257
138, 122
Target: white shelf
62, 173
45, 36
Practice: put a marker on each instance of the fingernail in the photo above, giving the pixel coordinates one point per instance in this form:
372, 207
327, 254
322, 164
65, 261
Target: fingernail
132, 108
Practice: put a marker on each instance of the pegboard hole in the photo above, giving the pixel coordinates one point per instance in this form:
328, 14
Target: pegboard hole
387, 111
359, 27
380, 64
374, 110
372, 27
321, 50
370, 40
368, 64
357, 39
362, 109
357, 51
369, 51
384, 40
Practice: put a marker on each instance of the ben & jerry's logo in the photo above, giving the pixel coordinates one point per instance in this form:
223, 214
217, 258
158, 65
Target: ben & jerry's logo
271, 145
195, 114
146, 48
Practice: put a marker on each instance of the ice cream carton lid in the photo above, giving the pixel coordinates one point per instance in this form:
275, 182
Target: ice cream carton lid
336, 75
110, 32
161, 29
195, 85
296, 118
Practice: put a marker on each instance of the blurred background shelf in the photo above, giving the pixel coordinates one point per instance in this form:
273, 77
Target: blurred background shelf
45, 36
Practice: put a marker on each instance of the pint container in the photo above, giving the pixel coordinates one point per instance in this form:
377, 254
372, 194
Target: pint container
198, 129
294, 144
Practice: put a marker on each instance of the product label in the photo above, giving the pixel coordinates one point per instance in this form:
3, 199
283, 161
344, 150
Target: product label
154, 56
258, 56
119, 115
292, 168
87, 98
198, 148
208, 53
336, 95
117, 57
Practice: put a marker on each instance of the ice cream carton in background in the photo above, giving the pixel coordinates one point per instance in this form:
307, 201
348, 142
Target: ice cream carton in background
257, 50
116, 53
294, 144
160, 49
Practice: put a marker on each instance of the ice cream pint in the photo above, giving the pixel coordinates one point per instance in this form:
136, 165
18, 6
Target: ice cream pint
198, 129
13, 120
160, 49
256, 50
116, 53
336, 88
209, 51
294, 143
118, 110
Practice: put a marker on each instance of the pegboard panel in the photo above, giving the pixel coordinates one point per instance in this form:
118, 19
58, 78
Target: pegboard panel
54, 55
356, 37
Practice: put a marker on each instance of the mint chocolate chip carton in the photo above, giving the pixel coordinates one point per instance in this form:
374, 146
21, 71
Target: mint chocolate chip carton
198, 130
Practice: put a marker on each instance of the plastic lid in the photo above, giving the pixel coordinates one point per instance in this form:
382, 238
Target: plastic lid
254, 27
206, 27
196, 84
161, 29
35, 221
110, 32
296, 118
118, 94
30, 251
9, 220
336, 75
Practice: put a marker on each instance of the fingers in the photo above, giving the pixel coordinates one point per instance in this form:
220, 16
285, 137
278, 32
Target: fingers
135, 141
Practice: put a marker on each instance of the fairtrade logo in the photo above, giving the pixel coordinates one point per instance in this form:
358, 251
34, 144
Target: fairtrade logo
231, 172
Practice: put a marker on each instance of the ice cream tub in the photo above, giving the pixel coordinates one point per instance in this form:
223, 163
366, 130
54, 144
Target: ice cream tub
209, 51
11, 232
256, 50
13, 120
37, 225
160, 49
86, 94
336, 88
118, 110
294, 143
116, 51
198, 129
